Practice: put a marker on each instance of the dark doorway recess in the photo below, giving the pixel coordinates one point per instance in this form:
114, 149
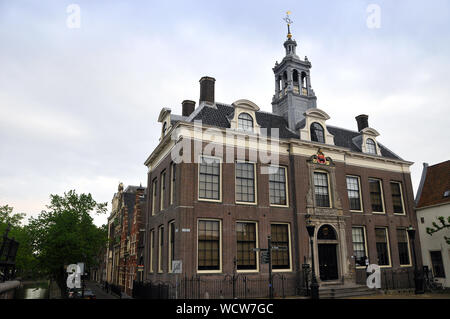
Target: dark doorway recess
328, 267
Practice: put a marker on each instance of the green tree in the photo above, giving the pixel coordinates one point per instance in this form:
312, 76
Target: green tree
25, 259
444, 224
65, 234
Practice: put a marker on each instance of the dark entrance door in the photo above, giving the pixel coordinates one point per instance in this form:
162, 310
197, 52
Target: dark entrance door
328, 262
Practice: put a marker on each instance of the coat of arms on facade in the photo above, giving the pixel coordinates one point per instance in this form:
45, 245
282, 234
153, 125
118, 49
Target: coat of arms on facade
320, 158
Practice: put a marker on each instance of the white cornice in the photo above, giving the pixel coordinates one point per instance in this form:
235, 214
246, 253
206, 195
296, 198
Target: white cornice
283, 143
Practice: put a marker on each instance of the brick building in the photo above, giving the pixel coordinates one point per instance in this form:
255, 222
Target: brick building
125, 248
211, 209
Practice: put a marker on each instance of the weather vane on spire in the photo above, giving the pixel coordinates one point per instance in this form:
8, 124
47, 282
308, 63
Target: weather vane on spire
289, 22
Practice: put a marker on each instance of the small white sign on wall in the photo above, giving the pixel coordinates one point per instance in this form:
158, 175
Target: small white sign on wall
177, 266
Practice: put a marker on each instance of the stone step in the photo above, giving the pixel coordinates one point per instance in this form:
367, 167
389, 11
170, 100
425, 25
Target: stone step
348, 294
343, 291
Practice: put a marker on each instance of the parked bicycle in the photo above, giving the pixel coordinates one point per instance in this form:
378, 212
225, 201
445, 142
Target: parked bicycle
431, 284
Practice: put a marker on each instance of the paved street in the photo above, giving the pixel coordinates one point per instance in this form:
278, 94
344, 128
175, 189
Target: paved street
99, 292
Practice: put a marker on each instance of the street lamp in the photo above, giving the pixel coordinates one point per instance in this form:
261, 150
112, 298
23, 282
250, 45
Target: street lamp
418, 279
314, 285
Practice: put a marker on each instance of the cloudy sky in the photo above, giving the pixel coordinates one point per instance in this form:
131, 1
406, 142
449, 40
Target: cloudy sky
79, 106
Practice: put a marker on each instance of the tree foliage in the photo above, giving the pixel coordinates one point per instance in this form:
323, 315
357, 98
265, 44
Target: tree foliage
25, 259
439, 227
65, 233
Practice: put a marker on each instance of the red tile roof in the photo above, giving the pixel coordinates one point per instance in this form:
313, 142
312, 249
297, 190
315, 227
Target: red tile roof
437, 182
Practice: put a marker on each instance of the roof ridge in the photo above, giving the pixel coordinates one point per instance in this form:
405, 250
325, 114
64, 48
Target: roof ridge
442, 163
342, 128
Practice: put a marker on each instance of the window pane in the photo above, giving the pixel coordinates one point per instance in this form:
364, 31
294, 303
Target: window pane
353, 193
397, 198
375, 195
245, 182
208, 245
359, 248
402, 240
317, 134
382, 248
245, 122
277, 186
209, 179
246, 241
371, 148
321, 189
280, 238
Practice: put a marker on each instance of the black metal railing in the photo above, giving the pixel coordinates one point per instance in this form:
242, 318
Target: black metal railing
8, 252
390, 279
228, 287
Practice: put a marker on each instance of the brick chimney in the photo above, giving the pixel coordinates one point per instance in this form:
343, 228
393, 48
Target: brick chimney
188, 107
207, 89
363, 121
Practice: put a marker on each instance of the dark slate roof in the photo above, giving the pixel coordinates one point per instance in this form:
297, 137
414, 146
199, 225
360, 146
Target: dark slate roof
346, 138
218, 116
221, 114
268, 121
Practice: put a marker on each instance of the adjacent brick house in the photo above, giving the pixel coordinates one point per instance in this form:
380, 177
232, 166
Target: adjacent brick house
212, 209
125, 247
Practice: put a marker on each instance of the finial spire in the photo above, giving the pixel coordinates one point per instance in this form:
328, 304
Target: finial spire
288, 22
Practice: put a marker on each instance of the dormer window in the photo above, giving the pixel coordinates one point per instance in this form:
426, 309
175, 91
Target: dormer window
245, 122
164, 118
370, 146
317, 134
244, 117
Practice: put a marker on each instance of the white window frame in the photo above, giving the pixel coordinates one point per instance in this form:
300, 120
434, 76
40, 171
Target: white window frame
172, 182
160, 248
380, 181
365, 244
257, 246
401, 198
215, 271
220, 180
154, 195
286, 186
409, 249
253, 123
360, 194
388, 244
162, 191
330, 198
152, 243
290, 246
169, 251
255, 202
374, 145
